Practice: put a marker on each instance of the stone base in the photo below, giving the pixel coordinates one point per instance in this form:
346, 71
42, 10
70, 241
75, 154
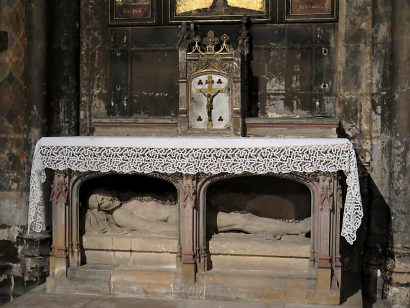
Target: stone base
242, 267
256, 285
237, 251
116, 280
288, 286
130, 249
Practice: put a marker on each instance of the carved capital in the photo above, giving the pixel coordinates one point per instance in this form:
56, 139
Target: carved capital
59, 189
189, 190
325, 192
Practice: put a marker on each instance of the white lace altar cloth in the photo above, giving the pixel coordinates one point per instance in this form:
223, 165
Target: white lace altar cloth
192, 155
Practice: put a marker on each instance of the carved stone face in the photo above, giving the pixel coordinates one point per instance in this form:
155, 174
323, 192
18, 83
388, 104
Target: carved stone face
104, 203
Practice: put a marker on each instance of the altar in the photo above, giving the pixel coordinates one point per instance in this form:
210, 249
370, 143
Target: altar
197, 260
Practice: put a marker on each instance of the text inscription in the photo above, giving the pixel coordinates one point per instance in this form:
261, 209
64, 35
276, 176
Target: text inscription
308, 7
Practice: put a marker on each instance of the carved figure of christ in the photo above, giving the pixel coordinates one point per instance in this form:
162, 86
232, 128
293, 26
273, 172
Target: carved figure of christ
210, 92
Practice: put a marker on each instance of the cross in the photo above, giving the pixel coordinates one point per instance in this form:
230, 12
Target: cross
210, 94
210, 42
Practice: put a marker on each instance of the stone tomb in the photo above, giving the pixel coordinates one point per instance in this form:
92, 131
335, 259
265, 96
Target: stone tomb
248, 237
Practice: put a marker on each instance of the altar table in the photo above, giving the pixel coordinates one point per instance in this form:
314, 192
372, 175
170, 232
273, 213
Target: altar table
191, 155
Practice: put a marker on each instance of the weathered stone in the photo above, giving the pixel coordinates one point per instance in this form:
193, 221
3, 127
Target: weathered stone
122, 257
98, 241
257, 246
257, 279
91, 279
36, 244
13, 206
153, 259
293, 265
134, 281
121, 243
100, 257
323, 298
154, 244
399, 297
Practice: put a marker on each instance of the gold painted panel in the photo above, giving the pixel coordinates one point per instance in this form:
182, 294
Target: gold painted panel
218, 6
218, 9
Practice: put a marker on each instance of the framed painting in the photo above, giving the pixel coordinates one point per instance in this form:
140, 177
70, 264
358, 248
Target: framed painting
133, 11
218, 10
309, 10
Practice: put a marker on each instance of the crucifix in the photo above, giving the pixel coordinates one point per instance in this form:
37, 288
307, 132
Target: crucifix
210, 94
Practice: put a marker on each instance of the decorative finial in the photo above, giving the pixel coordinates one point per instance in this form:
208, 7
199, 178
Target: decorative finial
210, 41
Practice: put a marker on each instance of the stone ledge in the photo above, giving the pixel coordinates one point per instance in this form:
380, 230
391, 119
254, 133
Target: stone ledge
131, 258
232, 262
258, 246
129, 242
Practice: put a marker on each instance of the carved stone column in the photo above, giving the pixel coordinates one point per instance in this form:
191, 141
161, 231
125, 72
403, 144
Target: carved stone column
325, 206
59, 202
188, 202
73, 220
336, 226
325, 202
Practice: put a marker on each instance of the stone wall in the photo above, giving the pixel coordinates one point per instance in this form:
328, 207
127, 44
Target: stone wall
13, 147
399, 292
373, 55
94, 56
23, 92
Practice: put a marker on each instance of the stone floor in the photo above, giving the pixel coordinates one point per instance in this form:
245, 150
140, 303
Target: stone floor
38, 298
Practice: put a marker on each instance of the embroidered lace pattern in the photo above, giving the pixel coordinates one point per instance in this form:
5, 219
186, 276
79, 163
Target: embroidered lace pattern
256, 160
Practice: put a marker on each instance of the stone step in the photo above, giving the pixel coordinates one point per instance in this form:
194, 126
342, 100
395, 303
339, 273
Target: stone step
238, 262
87, 279
145, 281
142, 281
118, 280
256, 278
263, 285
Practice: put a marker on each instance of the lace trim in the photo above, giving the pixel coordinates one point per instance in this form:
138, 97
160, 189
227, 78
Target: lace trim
278, 159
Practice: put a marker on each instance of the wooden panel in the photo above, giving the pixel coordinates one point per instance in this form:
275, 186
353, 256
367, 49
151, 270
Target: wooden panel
308, 10
154, 75
133, 11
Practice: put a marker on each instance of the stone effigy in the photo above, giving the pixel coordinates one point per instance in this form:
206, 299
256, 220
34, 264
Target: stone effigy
252, 224
108, 214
